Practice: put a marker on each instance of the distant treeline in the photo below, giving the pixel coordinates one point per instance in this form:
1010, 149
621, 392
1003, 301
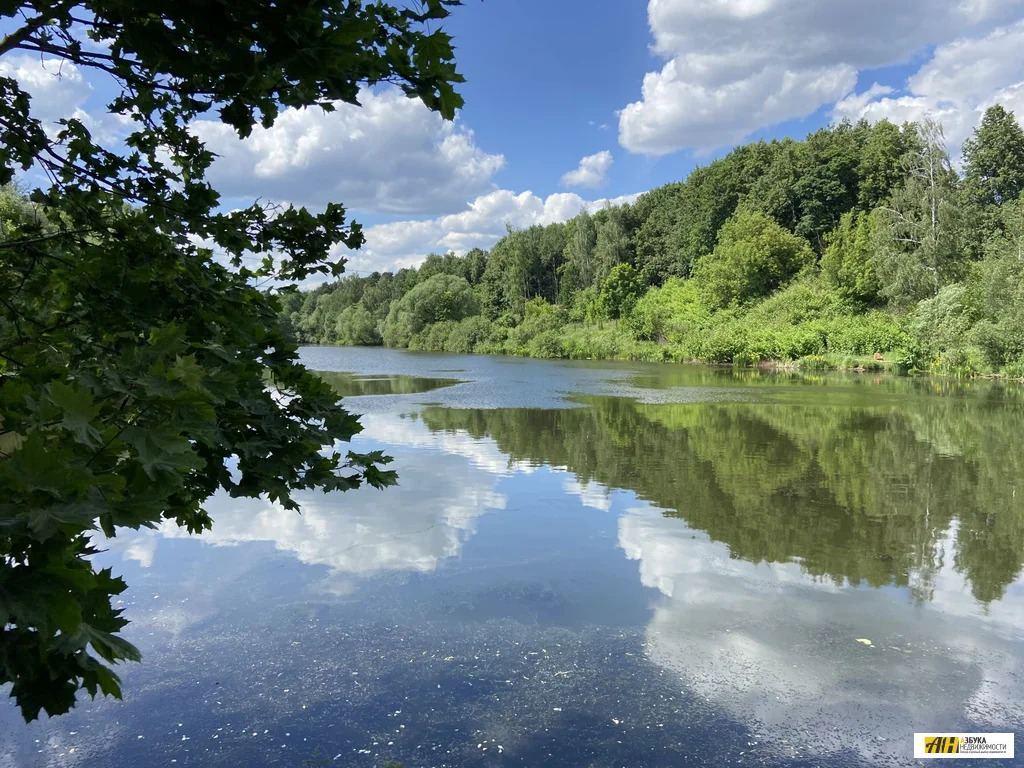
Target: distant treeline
860, 241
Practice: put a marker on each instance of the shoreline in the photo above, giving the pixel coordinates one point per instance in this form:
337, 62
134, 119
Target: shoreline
807, 365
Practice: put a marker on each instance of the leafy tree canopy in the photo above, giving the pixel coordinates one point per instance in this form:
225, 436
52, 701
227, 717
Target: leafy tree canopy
847, 262
437, 299
138, 374
994, 159
893, 222
754, 257
620, 291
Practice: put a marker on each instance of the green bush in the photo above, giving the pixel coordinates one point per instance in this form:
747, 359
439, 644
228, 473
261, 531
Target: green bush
432, 338
804, 300
468, 334
999, 342
355, 326
804, 319
865, 334
671, 312
620, 291
546, 344
754, 257
437, 299
941, 322
610, 342
961, 362
586, 306
847, 263
1014, 370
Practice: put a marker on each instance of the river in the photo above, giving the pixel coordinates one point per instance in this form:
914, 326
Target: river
588, 564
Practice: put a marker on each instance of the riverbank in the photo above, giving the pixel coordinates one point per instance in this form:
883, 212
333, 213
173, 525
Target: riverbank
652, 352
803, 326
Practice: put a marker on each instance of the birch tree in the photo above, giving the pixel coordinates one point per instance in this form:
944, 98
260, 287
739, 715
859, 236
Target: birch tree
918, 241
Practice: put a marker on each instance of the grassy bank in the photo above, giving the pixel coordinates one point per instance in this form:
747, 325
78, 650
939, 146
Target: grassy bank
804, 326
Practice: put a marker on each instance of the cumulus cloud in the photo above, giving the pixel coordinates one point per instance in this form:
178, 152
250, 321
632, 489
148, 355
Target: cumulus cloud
480, 225
57, 88
733, 66
955, 86
390, 155
592, 171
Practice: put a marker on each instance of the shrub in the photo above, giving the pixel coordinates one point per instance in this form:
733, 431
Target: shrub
620, 291
1014, 370
433, 338
468, 334
355, 326
865, 334
999, 342
586, 306
961, 362
437, 299
670, 313
546, 344
847, 263
754, 256
941, 322
806, 299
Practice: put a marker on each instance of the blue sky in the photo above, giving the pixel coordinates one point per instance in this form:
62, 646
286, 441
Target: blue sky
543, 77
574, 103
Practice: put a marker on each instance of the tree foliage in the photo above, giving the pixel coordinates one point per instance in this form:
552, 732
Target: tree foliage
620, 291
994, 172
138, 374
848, 261
438, 299
919, 237
994, 159
754, 256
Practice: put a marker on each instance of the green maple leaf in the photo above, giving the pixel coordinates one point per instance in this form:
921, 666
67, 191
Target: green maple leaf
79, 409
160, 451
187, 371
110, 647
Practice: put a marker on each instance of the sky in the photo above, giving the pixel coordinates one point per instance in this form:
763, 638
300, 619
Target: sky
573, 103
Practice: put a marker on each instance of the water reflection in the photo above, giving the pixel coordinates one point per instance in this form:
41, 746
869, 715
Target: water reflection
354, 384
783, 651
854, 494
666, 583
412, 527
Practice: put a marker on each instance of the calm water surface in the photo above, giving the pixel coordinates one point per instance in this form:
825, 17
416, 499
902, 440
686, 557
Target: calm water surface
589, 565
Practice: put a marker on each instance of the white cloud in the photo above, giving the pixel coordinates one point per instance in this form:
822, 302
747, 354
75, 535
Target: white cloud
592, 171
482, 454
480, 225
390, 155
57, 88
955, 86
733, 66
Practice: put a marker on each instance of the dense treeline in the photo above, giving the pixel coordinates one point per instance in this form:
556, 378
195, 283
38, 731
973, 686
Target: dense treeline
862, 240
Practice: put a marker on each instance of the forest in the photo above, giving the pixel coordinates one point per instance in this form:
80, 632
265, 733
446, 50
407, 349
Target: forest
862, 246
